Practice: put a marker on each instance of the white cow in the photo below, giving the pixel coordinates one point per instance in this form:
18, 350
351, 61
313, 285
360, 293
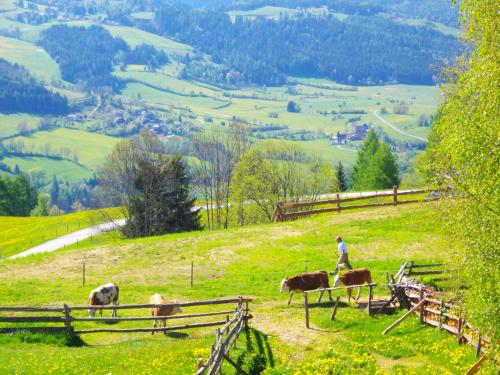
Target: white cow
104, 295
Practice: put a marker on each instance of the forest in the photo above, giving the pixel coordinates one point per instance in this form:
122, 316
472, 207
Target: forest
384, 51
89, 55
21, 92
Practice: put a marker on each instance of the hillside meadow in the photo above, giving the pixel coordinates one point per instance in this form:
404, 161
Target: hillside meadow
247, 261
22, 233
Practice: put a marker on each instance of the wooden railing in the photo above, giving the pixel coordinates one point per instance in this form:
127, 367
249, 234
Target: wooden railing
443, 315
288, 211
67, 319
225, 339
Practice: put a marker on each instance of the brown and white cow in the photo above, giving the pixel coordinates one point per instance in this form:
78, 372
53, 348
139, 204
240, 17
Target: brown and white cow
157, 299
353, 277
104, 295
306, 281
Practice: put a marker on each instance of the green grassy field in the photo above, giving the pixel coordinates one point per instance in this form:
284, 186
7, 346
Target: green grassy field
90, 147
276, 12
248, 261
34, 58
64, 169
21, 233
9, 123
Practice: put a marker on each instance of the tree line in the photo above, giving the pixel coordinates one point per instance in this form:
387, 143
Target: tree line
21, 92
357, 50
239, 181
89, 54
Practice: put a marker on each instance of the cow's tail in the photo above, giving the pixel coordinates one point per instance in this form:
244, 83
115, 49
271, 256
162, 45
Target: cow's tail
369, 278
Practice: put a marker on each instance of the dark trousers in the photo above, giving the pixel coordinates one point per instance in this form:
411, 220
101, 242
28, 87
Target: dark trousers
343, 259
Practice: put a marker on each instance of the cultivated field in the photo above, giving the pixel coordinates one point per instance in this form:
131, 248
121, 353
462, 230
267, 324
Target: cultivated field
248, 261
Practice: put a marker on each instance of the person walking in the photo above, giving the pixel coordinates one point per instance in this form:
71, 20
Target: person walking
343, 257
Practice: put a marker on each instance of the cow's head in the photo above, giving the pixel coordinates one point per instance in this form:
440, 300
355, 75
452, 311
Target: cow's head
284, 285
91, 313
176, 309
336, 281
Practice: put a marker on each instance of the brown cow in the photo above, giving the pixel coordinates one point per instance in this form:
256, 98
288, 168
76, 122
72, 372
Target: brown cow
306, 281
104, 295
353, 277
157, 299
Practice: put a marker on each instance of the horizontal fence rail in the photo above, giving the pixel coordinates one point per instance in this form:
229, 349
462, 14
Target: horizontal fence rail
67, 319
282, 211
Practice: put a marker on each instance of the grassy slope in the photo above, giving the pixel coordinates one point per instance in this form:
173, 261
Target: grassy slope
9, 122
91, 147
34, 58
21, 233
63, 169
243, 261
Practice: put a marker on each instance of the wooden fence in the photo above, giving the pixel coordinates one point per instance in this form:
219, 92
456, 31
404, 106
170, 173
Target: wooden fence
371, 307
66, 320
225, 339
443, 315
288, 211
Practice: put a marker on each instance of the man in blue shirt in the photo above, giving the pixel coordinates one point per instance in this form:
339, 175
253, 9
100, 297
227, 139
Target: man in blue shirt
343, 258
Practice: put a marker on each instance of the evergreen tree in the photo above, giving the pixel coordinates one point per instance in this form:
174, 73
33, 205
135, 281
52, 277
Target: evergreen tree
153, 187
54, 191
341, 177
175, 211
17, 196
376, 167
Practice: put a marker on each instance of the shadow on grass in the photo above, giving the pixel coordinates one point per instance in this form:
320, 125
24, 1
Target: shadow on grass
258, 354
49, 338
328, 305
177, 335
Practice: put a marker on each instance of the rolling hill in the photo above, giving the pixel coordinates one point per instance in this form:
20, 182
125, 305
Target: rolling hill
248, 261
198, 89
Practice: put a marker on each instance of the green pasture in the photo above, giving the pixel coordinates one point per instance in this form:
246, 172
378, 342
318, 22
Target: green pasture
248, 261
9, 123
34, 58
21, 233
165, 81
274, 12
64, 169
166, 99
91, 148
443, 29
134, 37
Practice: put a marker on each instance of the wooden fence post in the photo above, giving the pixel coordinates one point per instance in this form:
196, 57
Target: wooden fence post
459, 330
67, 319
83, 274
277, 213
338, 202
422, 307
441, 311
370, 296
192, 273
306, 305
395, 195
335, 308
